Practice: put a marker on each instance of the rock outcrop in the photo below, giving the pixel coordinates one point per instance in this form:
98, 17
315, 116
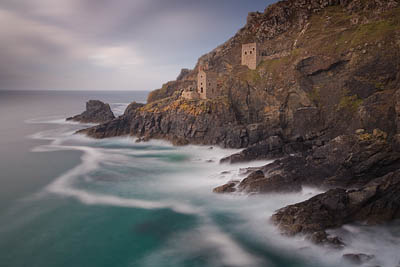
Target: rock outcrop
96, 112
376, 202
180, 121
347, 161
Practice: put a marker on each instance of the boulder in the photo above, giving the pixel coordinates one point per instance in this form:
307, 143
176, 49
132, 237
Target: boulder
96, 112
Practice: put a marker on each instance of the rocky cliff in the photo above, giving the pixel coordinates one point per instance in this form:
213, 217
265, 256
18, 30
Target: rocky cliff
329, 68
325, 99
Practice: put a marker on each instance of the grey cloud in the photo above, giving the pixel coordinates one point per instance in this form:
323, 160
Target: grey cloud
103, 44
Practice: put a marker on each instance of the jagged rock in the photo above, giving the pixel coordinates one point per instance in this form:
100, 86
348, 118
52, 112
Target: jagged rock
179, 121
269, 148
257, 182
226, 188
96, 112
347, 161
181, 76
376, 202
321, 237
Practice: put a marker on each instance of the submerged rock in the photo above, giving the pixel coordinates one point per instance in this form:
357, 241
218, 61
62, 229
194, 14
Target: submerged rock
226, 188
359, 258
96, 112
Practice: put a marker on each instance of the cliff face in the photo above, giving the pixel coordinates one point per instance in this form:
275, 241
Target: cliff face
329, 68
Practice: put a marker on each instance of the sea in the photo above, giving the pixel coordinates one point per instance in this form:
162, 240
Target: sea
67, 200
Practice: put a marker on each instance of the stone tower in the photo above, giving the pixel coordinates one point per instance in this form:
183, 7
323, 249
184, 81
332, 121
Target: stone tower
251, 55
206, 84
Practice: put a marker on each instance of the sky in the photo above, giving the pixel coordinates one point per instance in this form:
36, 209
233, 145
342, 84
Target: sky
110, 44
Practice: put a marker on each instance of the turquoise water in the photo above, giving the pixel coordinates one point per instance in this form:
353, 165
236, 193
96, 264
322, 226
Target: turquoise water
67, 200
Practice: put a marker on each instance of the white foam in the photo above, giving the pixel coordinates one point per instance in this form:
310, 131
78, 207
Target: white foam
225, 250
232, 253
90, 161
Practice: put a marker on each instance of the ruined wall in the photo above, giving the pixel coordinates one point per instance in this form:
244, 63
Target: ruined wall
191, 95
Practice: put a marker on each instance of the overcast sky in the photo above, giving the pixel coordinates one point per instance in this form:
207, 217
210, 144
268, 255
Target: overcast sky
110, 44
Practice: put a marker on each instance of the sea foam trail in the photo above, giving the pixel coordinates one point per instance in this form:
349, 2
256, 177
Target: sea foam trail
232, 253
90, 161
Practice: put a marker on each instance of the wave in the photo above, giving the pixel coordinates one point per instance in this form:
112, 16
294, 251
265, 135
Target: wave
56, 120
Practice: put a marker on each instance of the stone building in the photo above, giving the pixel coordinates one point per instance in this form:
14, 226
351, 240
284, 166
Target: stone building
190, 93
251, 56
207, 84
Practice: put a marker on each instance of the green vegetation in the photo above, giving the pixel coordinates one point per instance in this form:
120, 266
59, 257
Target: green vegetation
350, 103
314, 95
252, 76
338, 34
377, 30
379, 85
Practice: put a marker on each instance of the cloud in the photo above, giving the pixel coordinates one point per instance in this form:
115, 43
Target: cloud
115, 57
107, 45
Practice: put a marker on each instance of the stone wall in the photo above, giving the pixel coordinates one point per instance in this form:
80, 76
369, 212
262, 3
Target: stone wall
191, 95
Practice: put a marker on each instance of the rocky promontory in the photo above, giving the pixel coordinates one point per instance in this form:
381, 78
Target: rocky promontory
324, 101
328, 68
96, 112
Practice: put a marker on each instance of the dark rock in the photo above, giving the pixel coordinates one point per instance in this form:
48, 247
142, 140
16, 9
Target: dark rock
347, 161
359, 258
396, 142
376, 202
321, 237
179, 121
272, 147
226, 188
257, 182
183, 74
96, 112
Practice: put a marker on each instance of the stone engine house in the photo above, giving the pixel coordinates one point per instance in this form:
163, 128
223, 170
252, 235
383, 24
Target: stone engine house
207, 84
251, 55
